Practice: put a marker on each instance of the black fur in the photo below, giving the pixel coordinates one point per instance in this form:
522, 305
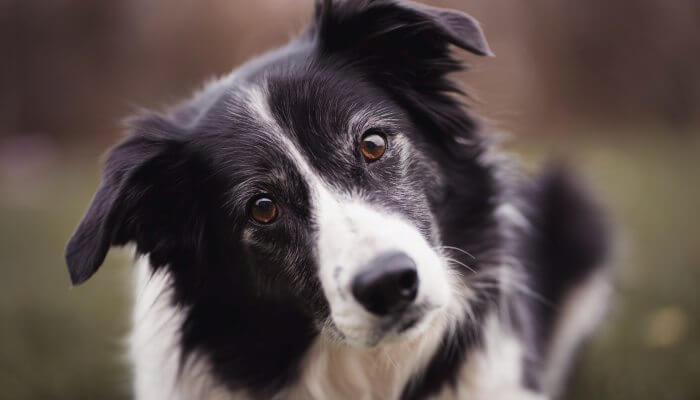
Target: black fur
177, 188
570, 238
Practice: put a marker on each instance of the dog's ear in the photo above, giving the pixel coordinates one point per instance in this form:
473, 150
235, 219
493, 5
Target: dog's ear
395, 27
404, 47
146, 197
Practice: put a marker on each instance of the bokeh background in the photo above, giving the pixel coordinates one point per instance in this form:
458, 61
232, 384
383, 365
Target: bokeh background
611, 85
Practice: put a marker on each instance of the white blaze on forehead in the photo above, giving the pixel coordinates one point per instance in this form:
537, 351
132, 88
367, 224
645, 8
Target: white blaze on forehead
258, 104
350, 233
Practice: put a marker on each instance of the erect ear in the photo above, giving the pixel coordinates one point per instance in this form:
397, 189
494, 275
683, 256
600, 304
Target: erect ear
396, 26
145, 195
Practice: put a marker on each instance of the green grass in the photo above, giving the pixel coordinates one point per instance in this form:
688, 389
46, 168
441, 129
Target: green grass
649, 347
58, 342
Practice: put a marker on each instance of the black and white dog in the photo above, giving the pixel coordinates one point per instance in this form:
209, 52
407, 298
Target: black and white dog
328, 222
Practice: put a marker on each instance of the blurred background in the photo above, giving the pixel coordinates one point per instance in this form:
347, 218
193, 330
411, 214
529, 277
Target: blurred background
612, 85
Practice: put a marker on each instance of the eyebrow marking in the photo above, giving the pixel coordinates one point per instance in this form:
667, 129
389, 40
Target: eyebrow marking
367, 118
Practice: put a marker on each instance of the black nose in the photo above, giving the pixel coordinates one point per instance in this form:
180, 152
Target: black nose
388, 284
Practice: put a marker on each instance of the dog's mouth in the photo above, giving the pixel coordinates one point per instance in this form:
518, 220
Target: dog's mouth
389, 329
406, 320
408, 324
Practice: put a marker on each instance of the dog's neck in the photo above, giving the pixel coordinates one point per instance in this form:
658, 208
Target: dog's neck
331, 370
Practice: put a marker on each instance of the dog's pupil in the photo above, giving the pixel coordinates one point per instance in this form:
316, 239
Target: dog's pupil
264, 210
373, 146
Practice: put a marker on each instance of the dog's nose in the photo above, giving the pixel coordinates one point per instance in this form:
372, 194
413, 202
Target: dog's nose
388, 284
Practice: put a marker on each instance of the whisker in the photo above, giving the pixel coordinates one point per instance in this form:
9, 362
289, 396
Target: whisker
515, 280
524, 289
461, 263
391, 360
458, 249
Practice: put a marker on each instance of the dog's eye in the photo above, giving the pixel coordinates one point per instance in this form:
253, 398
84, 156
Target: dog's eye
373, 145
263, 210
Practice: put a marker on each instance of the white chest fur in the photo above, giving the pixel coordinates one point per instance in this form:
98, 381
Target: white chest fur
155, 348
337, 371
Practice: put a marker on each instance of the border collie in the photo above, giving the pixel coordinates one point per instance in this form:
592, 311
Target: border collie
329, 221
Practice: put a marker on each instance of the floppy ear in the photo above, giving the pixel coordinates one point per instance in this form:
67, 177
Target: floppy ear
371, 23
404, 47
145, 197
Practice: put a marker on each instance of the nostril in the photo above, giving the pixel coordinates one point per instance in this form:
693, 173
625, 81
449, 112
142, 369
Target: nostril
408, 282
388, 284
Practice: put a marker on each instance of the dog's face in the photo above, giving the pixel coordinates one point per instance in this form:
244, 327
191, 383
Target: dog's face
331, 197
304, 189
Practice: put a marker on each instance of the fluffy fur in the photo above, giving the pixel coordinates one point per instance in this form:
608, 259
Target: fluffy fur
510, 269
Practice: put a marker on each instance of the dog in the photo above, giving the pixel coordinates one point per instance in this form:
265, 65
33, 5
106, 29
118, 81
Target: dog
330, 221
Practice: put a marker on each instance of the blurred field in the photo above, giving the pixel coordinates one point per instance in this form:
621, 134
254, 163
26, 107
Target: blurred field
57, 342
649, 347
63, 343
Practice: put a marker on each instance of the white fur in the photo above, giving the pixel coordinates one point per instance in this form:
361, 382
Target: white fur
334, 370
580, 316
351, 234
494, 371
154, 345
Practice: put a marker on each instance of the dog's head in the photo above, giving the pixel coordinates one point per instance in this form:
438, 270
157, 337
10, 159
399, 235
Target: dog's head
308, 188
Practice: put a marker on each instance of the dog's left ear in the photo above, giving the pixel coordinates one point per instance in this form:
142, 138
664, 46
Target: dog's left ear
395, 27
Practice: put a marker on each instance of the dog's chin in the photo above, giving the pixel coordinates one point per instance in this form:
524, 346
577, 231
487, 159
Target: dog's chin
388, 330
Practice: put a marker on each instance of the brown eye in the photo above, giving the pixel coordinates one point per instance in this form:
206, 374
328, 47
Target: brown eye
263, 210
373, 146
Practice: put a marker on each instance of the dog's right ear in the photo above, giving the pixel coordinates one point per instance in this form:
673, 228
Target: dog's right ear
398, 28
406, 48
144, 187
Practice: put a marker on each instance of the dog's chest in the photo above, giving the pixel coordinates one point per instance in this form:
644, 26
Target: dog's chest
333, 371
492, 371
